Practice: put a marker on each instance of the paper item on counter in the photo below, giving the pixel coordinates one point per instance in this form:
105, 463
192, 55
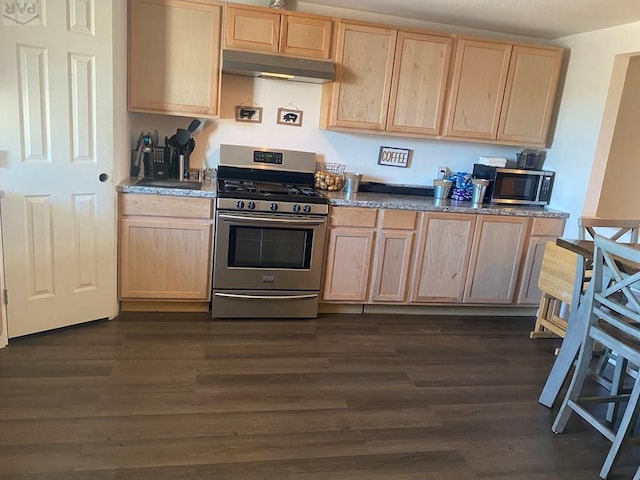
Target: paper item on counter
493, 161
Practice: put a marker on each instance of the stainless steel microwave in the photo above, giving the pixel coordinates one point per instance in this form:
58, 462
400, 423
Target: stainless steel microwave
516, 186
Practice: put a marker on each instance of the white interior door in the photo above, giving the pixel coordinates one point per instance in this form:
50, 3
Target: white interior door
56, 164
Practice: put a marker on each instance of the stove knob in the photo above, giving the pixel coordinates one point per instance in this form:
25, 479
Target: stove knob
307, 209
296, 208
240, 204
251, 205
274, 207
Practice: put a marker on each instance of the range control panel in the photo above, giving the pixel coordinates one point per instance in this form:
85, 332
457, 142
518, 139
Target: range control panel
300, 208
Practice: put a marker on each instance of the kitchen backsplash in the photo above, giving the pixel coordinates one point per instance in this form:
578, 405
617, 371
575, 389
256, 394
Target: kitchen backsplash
359, 152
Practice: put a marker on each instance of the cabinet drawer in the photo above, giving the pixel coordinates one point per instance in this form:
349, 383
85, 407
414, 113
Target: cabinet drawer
547, 227
165, 206
352, 217
397, 219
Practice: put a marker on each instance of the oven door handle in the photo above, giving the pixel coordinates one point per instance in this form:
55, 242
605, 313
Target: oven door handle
285, 221
265, 297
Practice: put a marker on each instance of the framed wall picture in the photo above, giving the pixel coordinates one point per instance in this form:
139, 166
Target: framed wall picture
287, 116
249, 114
394, 157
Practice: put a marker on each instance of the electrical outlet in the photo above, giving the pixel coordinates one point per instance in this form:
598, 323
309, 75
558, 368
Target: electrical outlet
442, 171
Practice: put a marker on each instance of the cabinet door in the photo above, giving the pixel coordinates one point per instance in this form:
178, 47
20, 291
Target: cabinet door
364, 62
306, 36
167, 259
542, 231
254, 30
530, 94
442, 257
391, 266
495, 259
174, 57
477, 89
528, 291
420, 73
348, 264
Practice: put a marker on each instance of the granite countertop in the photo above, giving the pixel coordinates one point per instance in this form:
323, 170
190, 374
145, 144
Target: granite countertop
366, 199
128, 185
416, 202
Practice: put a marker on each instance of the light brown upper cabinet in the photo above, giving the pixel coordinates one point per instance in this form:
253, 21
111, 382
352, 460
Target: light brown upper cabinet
502, 92
400, 88
259, 29
477, 88
174, 57
419, 83
530, 94
359, 98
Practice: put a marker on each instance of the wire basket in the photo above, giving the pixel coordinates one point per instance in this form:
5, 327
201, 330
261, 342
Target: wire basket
531, 159
330, 176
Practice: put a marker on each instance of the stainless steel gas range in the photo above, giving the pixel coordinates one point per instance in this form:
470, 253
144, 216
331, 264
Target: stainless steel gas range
269, 236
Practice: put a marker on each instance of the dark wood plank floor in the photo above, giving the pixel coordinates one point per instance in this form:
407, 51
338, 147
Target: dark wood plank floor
370, 397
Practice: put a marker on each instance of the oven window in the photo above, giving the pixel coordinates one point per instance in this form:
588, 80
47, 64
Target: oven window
260, 247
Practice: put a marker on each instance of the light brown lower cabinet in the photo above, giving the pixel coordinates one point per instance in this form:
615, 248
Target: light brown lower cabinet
394, 256
495, 259
442, 257
165, 247
348, 255
543, 230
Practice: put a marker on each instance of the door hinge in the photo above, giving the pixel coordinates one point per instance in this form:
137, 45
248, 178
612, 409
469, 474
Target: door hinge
5, 297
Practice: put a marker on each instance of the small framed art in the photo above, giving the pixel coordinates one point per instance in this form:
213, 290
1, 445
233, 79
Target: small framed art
248, 114
287, 116
394, 157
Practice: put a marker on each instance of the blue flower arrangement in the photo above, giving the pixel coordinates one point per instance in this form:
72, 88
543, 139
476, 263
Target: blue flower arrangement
461, 186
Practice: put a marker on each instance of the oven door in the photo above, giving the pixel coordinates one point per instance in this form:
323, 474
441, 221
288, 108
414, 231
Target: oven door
268, 251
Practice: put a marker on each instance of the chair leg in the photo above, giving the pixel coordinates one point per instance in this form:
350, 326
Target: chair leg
628, 420
577, 382
617, 384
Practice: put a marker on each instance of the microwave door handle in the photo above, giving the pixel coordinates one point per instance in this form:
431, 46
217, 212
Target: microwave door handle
284, 221
540, 182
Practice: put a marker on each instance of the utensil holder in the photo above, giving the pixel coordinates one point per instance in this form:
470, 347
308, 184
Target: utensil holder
479, 189
352, 182
441, 188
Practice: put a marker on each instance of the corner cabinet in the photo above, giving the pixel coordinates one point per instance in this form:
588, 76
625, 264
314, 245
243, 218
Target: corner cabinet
166, 247
174, 57
502, 92
400, 89
267, 30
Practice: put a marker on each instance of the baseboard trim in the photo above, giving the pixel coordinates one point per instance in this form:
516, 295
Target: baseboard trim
151, 306
465, 310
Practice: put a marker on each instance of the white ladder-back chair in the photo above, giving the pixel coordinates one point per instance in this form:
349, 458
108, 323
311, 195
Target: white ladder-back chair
614, 322
613, 228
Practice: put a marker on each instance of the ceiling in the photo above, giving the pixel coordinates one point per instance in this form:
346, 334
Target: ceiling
533, 18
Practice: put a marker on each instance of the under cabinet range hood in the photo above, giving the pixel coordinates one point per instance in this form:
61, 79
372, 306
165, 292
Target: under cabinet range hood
275, 66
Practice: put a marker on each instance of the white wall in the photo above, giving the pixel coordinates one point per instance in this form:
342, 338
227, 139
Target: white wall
358, 151
581, 112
